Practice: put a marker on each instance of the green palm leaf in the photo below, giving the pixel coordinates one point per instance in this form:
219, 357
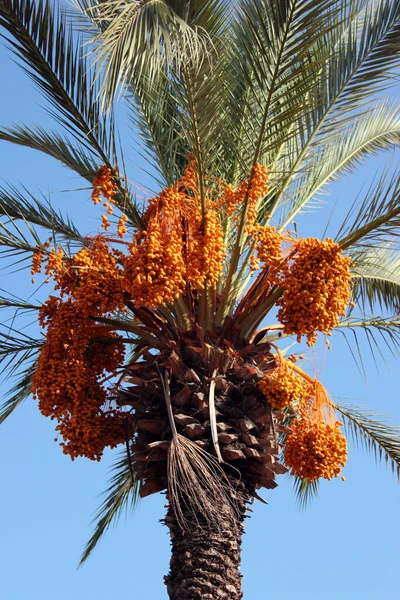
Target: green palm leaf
176, 110
18, 393
376, 278
374, 435
154, 114
140, 33
15, 241
119, 496
382, 334
363, 52
272, 42
57, 64
374, 129
377, 218
16, 348
74, 156
305, 491
18, 304
17, 206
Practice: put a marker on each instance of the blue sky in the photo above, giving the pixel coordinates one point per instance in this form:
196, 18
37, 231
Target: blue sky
344, 546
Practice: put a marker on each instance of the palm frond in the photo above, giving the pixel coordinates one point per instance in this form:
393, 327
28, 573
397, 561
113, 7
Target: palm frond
276, 52
377, 218
23, 206
376, 278
183, 111
56, 62
382, 335
74, 156
274, 42
146, 33
184, 108
363, 51
176, 109
120, 495
206, 14
365, 57
372, 434
18, 393
153, 109
17, 303
154, 115
16, 348
365, 134
305, 491
86, 17
17, 242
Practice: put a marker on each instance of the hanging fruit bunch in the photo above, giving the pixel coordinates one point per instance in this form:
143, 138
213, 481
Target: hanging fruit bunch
78, 353
251, 190
316, 449
315, 446
268, 249
178, 255
315, 281
283, 387
67, 381
178, 248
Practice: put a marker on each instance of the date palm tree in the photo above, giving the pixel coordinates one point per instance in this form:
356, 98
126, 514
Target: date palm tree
246, 111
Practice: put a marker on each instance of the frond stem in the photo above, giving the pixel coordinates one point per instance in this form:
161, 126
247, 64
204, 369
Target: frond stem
365, 430
238, 244
167, 393
357, 235
29, 40
213, 418
312, 137
197, 148
254, 319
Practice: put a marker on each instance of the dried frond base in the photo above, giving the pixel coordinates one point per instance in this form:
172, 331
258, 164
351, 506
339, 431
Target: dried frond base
197, 485
247, 428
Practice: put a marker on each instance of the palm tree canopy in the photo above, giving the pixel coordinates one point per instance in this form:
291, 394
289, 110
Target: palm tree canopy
216, 91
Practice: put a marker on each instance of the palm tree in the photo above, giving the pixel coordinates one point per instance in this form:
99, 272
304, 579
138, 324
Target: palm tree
159, 338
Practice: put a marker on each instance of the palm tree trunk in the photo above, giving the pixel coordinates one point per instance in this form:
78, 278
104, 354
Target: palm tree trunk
205, 563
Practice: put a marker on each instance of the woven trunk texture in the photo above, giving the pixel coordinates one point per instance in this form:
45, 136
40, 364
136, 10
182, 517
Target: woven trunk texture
205, 563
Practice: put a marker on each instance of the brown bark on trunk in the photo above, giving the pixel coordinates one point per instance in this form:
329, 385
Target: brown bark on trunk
205, 563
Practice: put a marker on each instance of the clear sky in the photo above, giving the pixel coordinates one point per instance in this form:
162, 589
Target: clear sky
344, 546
